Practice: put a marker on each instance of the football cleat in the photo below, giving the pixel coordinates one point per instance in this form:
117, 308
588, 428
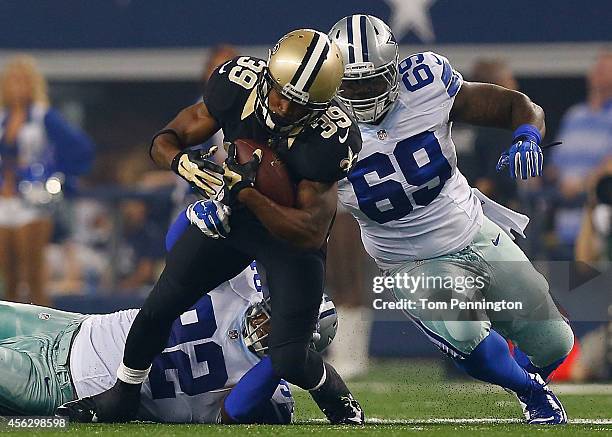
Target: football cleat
540, 405
118, 404
81, 410
344, 410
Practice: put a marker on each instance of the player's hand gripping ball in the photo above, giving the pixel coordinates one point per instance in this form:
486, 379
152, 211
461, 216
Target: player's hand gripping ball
240, 175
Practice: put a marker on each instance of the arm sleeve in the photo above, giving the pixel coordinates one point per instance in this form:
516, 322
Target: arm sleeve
73, 148
253, 392
432, 84
220, 94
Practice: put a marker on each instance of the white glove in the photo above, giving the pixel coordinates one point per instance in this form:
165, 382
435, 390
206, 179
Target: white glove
211, 216
203, 174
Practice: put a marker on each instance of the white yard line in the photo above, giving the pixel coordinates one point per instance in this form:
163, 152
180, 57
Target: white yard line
472, 421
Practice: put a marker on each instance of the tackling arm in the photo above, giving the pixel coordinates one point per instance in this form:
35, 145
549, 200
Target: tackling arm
307, 225
491, 105
193, 125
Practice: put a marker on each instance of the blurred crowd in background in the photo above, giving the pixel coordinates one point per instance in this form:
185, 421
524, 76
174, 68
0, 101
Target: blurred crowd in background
83, 210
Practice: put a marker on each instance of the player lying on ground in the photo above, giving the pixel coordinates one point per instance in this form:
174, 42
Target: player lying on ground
289, 104
50, 357
418, 215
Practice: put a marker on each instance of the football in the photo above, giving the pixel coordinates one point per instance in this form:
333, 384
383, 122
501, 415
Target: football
272, 176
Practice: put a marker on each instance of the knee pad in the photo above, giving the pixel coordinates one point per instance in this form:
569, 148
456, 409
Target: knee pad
545, 341
558, 345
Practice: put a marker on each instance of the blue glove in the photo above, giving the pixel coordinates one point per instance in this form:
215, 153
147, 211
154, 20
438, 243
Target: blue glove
524, 157
211, 216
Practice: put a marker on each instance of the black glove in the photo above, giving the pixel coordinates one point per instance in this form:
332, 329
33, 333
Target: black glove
238, 176
203, 174
120, 403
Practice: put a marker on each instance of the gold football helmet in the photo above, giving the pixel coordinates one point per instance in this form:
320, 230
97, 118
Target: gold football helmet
304, 67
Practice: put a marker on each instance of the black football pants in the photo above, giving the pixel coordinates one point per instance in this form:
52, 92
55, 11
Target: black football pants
197, 264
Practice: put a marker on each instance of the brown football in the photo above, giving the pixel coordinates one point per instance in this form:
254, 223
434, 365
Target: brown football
272, 176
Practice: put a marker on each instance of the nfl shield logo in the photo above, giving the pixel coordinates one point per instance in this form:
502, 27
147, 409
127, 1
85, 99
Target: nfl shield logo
382, 134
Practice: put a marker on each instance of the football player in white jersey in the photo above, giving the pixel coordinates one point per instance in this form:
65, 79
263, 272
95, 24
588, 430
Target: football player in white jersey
419, 217
50, 357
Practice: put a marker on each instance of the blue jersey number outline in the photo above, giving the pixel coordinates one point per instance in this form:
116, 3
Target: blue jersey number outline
421, 73
421, 163
179, 361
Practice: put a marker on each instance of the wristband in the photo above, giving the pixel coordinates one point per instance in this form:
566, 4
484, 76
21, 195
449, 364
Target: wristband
163, 132
528, 132
175, 162
132, 376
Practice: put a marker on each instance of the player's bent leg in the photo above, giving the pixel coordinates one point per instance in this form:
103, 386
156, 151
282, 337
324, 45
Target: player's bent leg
180, 285
295, 279
537, 328
533, 322
543, 345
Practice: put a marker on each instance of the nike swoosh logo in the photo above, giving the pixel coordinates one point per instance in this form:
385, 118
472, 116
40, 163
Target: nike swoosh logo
222, 69
343, 139
496, 241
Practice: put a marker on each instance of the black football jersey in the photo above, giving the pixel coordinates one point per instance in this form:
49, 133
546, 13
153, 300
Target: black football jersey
323, 151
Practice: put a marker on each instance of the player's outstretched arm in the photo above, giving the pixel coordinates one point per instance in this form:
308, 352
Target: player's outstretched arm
193, 125
491, 105
306, 225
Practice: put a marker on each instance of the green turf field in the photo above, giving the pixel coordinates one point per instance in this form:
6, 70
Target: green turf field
407, 397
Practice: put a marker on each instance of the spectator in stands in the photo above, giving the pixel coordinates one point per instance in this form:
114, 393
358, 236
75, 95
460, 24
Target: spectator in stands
141, 247
140, 250
594, 242
586, 132
594, 251
40, 156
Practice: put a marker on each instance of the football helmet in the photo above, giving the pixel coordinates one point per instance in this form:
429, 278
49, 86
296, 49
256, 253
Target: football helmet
256, 326
370, 52
304, 67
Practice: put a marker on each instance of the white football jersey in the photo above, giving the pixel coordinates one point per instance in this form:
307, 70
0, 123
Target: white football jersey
405, 190
205, 356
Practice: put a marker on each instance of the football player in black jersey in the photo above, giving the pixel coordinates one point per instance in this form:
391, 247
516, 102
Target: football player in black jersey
287, 102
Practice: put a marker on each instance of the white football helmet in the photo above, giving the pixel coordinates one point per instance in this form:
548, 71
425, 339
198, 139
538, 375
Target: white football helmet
256, 326
370, 52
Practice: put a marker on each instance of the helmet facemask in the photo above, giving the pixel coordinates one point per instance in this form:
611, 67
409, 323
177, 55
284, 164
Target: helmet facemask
256, 327
275, 124
369, 92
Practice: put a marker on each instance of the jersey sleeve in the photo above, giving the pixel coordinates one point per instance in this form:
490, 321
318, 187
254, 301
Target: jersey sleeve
430, 83
222, 96
332, 148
